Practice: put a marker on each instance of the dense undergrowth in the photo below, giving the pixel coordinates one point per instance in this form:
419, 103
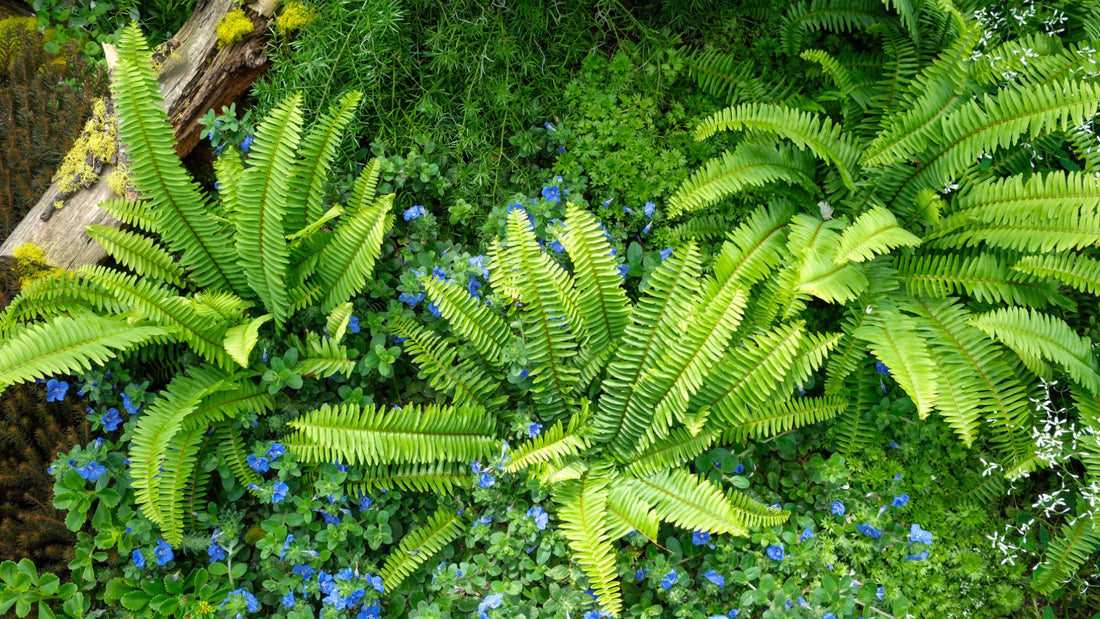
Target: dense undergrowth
693, 309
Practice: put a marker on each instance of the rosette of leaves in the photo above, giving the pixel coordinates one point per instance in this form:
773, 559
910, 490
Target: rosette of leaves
989, 159
207, 272
627, 391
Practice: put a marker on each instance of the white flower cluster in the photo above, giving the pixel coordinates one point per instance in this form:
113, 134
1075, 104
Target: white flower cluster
1055, 440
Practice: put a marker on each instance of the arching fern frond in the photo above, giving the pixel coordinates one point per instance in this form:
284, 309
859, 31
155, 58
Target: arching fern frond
1066, 554
139, 253
833, 15
981, 275
876, 231
131, 213
1078, 271
244, 396
582, 511
231, 451
471, 319
180, 460
438, 478
316, 154
556, 444
601, 300
626, 513
420, 544
347, 260
690, 502
783, 416
680, 445
894, 340
465, 382
754, 248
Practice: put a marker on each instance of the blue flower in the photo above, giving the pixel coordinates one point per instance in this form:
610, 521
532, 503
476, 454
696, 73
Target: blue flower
434, 309
556, 246
129, 405
163, 552
305, 571
881, 593
250, 600
246, 143
439, 273
649, 209
869, 531
479, 262
138, 559
258, 464
493, 600
325, 582
399, 340
286, 546
540, 516
365, 502
216, 552
374, 611
288, 600
919, 536
414, 212
55, 390
486, 480
776, 552
524, 373
626, 209
641, 573
473, 286
920, 556
111, 420
353, 324
280, 492
881, 368
665, 253
552, 194
484, 520
410, 298
700, 537
740, 469
837, 508
91, 471
549, 127
900, 500
715, 578
669, 579
733, 613
807, 533
895, 446
275, 451
345, 574
376, 582
534, 430
828, 615
623, 270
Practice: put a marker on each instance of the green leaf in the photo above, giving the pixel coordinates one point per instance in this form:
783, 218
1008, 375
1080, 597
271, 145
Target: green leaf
239, 340
337, 322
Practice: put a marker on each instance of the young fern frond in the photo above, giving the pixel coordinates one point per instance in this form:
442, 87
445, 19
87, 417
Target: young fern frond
66, 345
1080, 272
182, 217
856, 426
840, 75
470, 318
317, 152
874, 232
346, 261
894, 340
1034, 334
601, 300
138, 253
780, 417
464, 382
626, 513
748, 165
413, 434
818, 133
1066, 554
230, 172
220, 306
582, 511
556, 444
420, 544
680, 445
439, 478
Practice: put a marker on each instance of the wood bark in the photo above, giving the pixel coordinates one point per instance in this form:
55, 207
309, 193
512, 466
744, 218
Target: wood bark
194, 79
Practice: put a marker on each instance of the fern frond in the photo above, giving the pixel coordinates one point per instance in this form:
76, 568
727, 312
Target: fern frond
470, 318
420, 544
179, 209
412, 434
131, 213
876, 231
840, 75
231, 451
336, 323
700, 228
1066, 553
1080, 272
780, 417
753, 513
818, 133
679, 446
240, 340
732, 78
347, 260
220, 306
138, 253
834, 15
324, 356
601, 300
66, 345
1034, 334
316, 154
893, 339
690, 502
815, 241
229, 171
980, 274
464, 382
56, 293
556, 444
626, 513
442, 478
754, 248
180, 459
749, 165
855, 426
582, 512
244, 396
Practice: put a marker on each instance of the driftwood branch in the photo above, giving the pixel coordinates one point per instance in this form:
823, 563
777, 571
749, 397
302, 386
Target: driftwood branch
194, 78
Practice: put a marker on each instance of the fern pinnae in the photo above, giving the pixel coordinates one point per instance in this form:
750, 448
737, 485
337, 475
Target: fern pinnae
894, 340
689, 502
626, 513
784, 416
243, 396
129, 212
755, 247
836, 15
1066, 553
345, 263
583, 522
231, 451
600, 296
469, 317
466, 383
441, 528
138, 253
1079, 271
317, 152
556, 444
680, 445
874, 232
440, 478
181, 458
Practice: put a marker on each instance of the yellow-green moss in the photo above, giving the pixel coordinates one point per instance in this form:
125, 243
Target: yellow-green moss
30, 263
97, 138
119, 180
294, 16
233, 27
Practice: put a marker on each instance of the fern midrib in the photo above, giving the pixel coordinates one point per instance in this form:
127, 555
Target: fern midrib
692, 199
752, 371
343, 429
604, 316
469, 318
314, 170
1079, 531
960, 415
639, 465
702, 509
1040, 335
790, 413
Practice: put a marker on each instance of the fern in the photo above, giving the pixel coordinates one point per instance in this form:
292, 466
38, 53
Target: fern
346, 262
874, 232
1066, 553
318, 149
138, 253
893, 338
626, 513
464, 382
783, 416
441, 478
1080, 272
556, 444
981, 275
600, 297
680, 445
839, 16
441, 528
485, 331
748, 165
582, 510
231, 451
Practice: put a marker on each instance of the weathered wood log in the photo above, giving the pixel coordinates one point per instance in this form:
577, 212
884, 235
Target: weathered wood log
14, 8
194, 78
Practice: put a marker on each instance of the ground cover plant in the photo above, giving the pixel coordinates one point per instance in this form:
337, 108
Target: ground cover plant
843, 400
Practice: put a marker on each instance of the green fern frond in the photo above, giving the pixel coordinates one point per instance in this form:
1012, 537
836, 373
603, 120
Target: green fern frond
818, 133
194, 488
265, 188
701, 228
582, 511
626, 513
66, 345
354, 435
834, 15
1035, 334
840, 75
1080, 272
244, 396
56, 293
855, 426
1066, 553
754, 514
128, 212
180, 460
336, 323
690, 502
231, 451
324, 356
876, 231
346, 261
601, 300
420, 544
442, 478
749, 165
754, 248
471, 319
316, 154
780, 417
981, 275
240, 340
229, 171
220, 306
556, 444
680, 445
137, 252
815, 241
465, 382
179, 209
734, 79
